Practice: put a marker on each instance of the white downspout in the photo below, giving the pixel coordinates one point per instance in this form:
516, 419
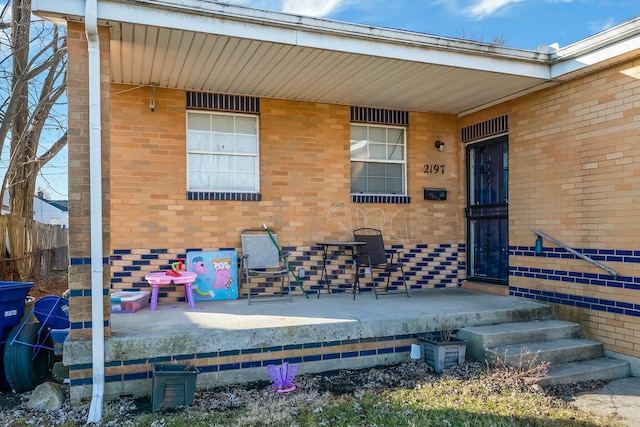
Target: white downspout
95, 186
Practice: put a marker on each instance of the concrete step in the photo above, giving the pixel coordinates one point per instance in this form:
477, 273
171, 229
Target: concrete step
603, 368
555, 351
480, 338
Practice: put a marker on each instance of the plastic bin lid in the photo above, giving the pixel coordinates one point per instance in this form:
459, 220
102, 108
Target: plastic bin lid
124, 296
50, 311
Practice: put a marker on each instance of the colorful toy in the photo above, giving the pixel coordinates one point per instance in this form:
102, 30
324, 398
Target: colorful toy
283, 376
175, 266
217, 274
201, 269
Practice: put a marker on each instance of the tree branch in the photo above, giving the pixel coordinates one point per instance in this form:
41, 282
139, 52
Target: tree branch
52, 151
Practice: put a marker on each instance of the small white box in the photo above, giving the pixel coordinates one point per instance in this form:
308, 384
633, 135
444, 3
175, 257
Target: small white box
129, 302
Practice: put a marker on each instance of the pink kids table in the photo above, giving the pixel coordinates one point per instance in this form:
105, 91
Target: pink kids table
156, 279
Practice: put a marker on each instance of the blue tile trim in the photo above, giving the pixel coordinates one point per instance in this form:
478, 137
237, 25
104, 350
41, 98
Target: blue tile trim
229, 367
184, 357
606, 280
220, 196
112, 378
331, 356
293, 347
314, 358
207, 355
81, 381
85, 293
363, 198
137, 376
605, 255
562, 298
85, 261
251, 363
134, 362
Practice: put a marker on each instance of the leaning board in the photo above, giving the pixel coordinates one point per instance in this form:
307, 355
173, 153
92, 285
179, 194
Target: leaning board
217, 275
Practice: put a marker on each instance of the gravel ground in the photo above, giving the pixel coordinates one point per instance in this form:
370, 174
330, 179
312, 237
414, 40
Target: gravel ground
310, 388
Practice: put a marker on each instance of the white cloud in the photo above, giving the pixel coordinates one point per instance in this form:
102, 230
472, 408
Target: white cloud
315, 8
475, 9
598, 26
483, 8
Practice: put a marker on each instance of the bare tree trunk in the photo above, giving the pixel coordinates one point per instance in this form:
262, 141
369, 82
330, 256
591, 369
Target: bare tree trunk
35, 82
45, 72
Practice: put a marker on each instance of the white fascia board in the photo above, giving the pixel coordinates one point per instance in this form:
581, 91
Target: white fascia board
241, 22
59, 9
569, 63
428, 54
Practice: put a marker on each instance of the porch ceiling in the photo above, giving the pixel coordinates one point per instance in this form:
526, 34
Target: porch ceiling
172, 58
209, 46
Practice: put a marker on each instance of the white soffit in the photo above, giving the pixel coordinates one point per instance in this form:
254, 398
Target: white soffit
200, 45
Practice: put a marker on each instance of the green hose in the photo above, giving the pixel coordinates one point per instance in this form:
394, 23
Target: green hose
291, 269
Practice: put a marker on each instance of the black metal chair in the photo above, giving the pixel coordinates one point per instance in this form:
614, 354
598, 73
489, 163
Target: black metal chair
261, 257
374, 256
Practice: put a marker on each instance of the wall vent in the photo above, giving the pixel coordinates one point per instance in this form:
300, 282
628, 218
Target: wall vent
485, 129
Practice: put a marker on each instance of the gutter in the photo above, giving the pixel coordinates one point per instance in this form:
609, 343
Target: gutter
95, 185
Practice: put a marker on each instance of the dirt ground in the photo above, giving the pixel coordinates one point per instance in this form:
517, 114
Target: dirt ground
54, 283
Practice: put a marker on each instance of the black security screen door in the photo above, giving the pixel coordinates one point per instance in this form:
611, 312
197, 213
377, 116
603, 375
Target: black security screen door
488, 210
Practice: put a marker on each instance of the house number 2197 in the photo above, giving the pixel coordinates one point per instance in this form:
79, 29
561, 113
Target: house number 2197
434, 169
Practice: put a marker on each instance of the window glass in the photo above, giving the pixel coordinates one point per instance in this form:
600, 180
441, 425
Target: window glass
222, 152
378, 160
246, 125
221, 123
199, 140
199, 122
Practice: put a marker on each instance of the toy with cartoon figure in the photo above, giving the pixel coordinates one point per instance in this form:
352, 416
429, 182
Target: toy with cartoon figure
217, 275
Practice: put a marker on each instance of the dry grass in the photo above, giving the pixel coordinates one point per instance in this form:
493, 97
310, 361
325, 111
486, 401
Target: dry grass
410, 394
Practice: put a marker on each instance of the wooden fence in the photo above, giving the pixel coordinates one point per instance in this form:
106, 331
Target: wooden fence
30, 249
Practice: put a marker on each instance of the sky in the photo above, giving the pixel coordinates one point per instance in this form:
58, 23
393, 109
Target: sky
525, 24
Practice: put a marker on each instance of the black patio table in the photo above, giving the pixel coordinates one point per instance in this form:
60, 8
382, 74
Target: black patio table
344, 246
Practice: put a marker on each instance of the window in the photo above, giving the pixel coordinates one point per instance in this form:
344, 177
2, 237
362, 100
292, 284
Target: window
222, 152
378, 164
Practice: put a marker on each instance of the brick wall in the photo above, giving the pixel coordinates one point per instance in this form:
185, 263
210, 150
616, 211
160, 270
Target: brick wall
573, 154
79, 175
304, 183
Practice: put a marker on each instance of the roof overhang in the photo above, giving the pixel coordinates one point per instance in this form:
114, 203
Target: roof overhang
205, 46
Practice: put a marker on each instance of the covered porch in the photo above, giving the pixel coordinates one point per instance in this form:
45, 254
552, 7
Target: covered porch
233, 342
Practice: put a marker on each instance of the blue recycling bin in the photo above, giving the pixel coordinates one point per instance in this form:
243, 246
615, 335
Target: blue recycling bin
12, 306
12, 303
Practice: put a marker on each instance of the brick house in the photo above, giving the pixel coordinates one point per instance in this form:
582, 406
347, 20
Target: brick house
476, 152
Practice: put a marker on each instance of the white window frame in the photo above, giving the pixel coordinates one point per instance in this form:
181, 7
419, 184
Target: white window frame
402, 162
256, 155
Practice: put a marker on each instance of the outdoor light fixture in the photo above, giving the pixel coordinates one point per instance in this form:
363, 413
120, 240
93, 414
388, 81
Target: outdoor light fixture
152, 101
439, 145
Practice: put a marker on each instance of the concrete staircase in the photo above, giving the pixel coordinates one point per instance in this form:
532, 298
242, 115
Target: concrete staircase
525, 344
